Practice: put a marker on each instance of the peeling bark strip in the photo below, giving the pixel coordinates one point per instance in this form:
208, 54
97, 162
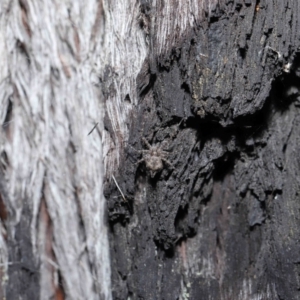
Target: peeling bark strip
53, 238
217, 83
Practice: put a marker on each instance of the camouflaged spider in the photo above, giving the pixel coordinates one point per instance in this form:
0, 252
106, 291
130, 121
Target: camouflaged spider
154, 158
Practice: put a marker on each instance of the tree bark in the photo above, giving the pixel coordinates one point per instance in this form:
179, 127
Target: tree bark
187, 111
219, 90
53, 242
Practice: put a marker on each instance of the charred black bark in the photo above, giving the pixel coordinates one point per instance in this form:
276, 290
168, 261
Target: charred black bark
223, 223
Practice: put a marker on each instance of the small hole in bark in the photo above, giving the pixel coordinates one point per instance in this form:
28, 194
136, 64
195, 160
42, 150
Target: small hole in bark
170, 252
238, 7
223, 166
150, 84
284, 148
181, 215
214, 19
127, 99
242, 52
55, 73
3, 211
8, 116
186, 88
60, 293
4, 160
142, 24
23, 50
285, 90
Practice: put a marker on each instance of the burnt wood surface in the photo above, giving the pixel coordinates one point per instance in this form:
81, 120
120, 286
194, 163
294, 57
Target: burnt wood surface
221, 221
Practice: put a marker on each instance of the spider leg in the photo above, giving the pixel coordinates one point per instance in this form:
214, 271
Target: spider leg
146, 143
144, 151
168, 163
132, 148
164, 153
139, 151
138, 162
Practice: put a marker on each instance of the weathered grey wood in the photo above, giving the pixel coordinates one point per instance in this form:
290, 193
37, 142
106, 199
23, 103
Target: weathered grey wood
53, 240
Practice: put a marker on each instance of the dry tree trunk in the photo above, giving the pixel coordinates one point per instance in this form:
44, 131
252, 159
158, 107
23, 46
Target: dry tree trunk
54, 242
85, 85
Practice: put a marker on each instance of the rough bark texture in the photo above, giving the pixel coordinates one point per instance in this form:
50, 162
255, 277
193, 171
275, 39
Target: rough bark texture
214, 84
53, 242
217, 87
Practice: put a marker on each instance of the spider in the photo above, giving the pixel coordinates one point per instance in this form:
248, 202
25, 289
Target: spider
154, 158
